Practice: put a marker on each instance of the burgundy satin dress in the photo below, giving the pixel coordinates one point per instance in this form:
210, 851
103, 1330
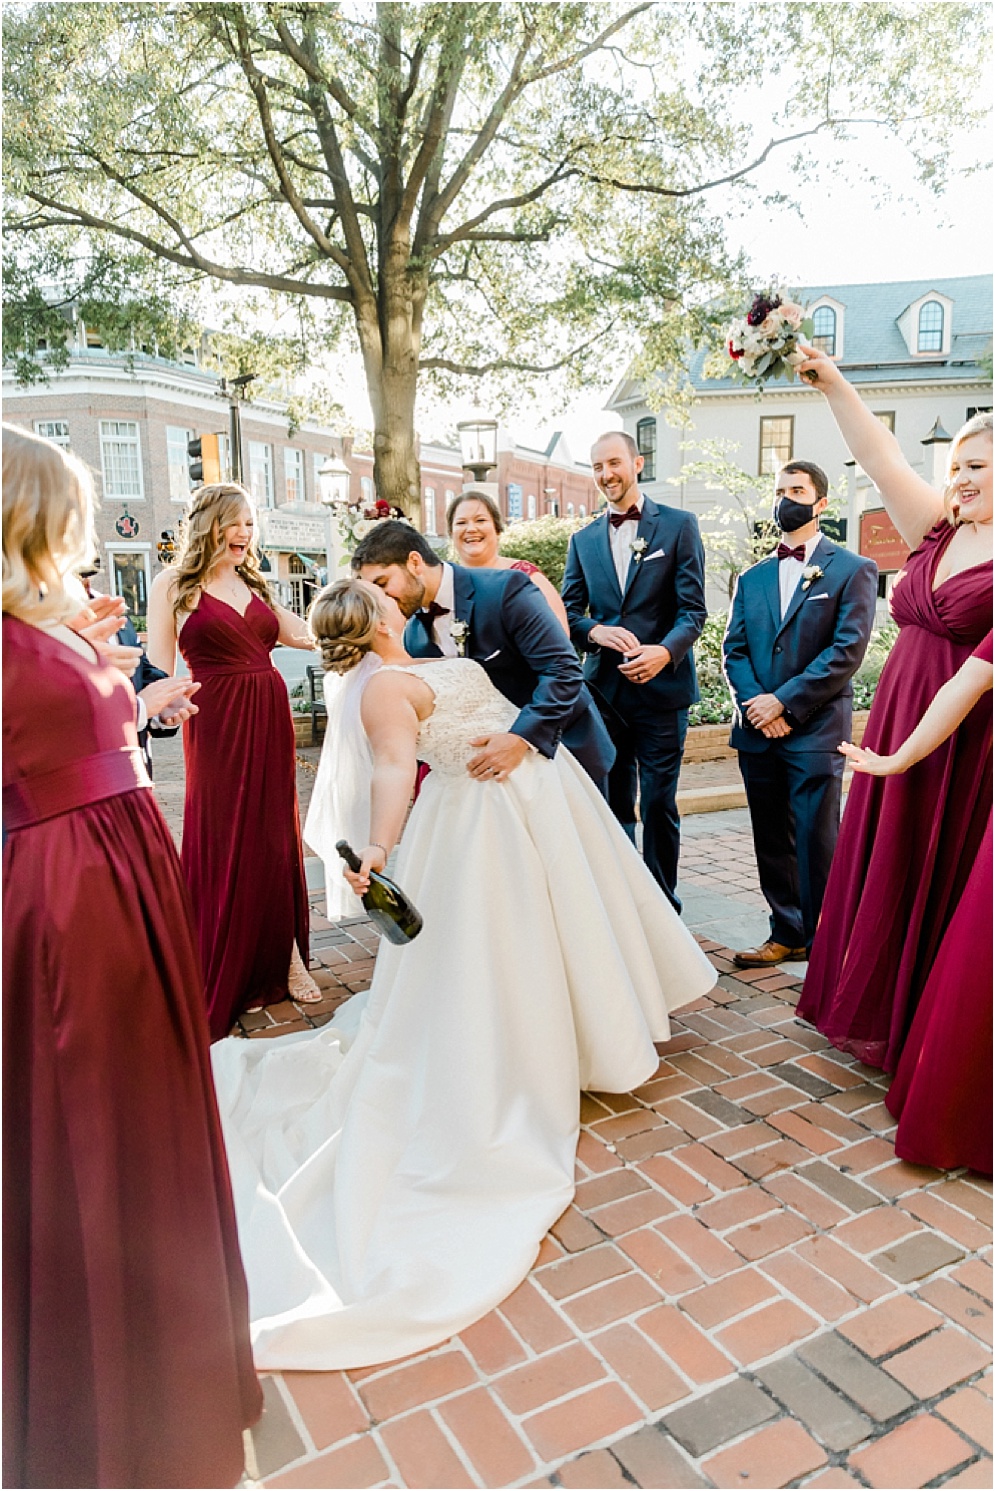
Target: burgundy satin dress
126, 1343
907, 843
942, 1092
242, 852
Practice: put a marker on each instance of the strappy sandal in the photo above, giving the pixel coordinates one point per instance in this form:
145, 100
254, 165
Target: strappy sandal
300, 985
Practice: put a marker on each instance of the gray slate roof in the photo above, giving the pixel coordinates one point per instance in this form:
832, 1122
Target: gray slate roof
871, 334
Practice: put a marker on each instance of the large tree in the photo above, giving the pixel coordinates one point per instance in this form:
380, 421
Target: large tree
467, 188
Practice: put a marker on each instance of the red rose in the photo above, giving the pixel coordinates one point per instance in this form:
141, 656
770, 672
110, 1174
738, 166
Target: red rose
383, 508
733, 353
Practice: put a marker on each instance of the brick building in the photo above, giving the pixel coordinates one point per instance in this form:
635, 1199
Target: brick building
130, 416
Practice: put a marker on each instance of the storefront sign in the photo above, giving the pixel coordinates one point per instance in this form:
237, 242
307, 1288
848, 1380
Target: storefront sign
287, 531
881, 541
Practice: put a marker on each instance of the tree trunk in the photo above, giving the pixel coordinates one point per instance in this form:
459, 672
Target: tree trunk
390, 338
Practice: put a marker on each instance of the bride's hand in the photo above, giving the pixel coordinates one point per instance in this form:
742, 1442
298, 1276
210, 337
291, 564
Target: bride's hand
373, 858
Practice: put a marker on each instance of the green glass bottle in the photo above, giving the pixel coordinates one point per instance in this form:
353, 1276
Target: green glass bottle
388, 907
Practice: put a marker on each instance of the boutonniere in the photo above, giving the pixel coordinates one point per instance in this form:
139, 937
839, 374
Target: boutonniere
810, 574
459, 631
638, 547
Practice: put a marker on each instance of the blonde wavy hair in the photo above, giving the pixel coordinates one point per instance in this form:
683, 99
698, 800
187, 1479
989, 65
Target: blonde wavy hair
48, 531
213, 509
343, 620
981, 424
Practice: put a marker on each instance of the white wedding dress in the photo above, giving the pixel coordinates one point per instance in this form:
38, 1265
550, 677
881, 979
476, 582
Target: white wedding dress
395, 1171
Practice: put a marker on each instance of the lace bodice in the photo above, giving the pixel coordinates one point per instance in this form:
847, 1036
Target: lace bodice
466, 705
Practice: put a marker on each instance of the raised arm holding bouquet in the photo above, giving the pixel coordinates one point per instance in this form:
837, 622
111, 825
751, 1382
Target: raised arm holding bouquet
907, 843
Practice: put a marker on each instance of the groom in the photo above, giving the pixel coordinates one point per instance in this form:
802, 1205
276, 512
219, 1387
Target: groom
498, 618
798, 629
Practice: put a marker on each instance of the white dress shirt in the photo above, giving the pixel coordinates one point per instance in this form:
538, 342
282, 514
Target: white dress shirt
789, 571
621, 539
442, 625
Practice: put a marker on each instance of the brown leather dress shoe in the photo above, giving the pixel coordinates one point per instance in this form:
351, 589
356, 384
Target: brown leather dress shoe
769, 953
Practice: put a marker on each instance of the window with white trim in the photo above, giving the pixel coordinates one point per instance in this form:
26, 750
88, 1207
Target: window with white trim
293, 474
530, 504
646, 445
121, 459
178, 463
777, 433
56, 430
261, 472
824, 329
930, 338
368, 490
428, 507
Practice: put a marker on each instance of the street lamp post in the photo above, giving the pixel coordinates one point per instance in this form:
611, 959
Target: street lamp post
478, 451
334, 478
941, 443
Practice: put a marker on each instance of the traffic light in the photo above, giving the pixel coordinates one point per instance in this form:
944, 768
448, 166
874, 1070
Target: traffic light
166, 547
204, 460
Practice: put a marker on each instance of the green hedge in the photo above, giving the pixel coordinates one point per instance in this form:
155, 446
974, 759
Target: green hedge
543, 541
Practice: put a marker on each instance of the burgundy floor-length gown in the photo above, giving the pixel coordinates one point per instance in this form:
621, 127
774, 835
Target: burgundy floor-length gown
942, 1092
907, 843
242, 852
126, 1342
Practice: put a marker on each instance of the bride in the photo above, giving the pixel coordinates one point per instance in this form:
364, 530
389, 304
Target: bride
396, 1171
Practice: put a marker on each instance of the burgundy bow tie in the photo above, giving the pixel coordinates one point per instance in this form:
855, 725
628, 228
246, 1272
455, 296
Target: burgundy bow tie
785, 552
433, 609
631, 515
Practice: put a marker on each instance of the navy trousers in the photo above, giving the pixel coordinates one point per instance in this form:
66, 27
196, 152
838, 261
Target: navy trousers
649, 742
794, 799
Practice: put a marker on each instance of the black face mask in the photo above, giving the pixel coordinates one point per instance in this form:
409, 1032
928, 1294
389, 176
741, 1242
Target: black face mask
790, 515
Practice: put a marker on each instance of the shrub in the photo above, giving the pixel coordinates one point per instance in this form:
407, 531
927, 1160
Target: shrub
543, 541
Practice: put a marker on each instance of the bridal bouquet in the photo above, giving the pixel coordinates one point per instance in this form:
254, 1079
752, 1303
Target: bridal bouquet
763, 344
356, 519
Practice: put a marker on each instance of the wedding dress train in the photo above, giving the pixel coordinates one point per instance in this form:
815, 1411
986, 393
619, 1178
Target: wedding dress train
395, 1171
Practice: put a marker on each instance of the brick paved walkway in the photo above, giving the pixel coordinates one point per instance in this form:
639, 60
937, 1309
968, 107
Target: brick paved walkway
750, 1290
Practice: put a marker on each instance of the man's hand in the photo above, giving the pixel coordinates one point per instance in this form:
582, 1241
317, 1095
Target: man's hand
763, 710
169, 698
618, 638
498, 756
650, 660
776, 730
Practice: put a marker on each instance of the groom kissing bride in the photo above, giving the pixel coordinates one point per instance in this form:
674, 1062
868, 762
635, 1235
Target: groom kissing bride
396, 1170
498, 618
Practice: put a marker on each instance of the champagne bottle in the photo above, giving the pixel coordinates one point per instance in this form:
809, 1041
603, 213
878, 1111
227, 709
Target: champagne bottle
389, 908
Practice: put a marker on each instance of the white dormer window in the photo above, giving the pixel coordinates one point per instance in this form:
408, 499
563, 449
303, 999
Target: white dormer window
827, 325
925, 325
930, 337
824, 330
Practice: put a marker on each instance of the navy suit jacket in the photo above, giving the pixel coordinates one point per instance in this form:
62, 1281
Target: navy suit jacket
663, 603
808, 658
518, 641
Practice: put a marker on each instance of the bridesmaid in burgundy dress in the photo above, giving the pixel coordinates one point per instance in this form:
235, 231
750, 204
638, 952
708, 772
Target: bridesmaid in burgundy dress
908, 843
242, 851
475, 526
126, 1342
942, 1092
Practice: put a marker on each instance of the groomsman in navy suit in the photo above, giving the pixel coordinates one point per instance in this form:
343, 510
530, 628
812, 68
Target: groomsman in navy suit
634, 589
798, 630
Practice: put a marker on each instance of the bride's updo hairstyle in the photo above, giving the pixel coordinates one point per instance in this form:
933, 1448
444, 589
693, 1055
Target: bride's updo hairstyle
344, 620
